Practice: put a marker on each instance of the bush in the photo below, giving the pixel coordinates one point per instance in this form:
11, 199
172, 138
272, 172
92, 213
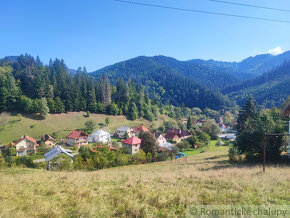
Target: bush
61, 162
122, 159
163, 156
3, 164
139, 157
25, 161
41, 165
183, 145
234, 155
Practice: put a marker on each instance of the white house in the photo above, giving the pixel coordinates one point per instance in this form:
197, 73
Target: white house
122, 130
100, 136
25, 145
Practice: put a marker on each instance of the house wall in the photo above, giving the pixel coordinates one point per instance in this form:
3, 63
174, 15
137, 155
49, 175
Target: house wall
27, 146
77, 142
49, 143
161, 139
102, 138
133, 149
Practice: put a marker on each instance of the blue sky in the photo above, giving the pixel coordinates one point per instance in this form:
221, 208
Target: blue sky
96, 33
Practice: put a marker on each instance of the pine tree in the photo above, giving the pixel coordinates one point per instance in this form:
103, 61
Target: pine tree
189, 123
248, 115
106, 98
43, 108
133, 111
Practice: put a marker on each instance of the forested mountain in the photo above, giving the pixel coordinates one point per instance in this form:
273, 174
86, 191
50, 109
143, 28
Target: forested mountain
172, 81
209, 77
27, 85
248, 68
270, 89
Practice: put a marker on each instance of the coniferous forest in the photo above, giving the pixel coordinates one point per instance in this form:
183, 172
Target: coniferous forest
27, 85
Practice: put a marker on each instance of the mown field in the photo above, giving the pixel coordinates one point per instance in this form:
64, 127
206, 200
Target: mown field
62, 124
153, 190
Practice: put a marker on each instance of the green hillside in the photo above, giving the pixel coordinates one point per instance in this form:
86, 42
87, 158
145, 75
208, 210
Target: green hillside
62, 124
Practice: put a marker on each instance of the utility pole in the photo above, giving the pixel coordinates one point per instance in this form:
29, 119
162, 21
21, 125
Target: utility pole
289, 140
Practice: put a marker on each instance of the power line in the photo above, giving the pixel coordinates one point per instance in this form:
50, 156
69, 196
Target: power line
201, 11
252, 6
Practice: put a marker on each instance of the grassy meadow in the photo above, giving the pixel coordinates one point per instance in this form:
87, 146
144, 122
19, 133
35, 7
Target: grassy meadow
160, 189
62, 124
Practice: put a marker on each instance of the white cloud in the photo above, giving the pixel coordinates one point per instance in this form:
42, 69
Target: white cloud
275, 51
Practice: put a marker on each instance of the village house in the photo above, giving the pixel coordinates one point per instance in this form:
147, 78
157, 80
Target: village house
132, 144
47, 140
122, 131
177, 134
77, 138
25, 145
159, 138
172, 136
100, 136
139, 129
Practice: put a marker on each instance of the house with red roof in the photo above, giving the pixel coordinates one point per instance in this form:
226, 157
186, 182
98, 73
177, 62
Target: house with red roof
77, 138
25, 145
132, 144
139, 129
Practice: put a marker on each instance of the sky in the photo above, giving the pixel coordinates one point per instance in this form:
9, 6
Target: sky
97, 33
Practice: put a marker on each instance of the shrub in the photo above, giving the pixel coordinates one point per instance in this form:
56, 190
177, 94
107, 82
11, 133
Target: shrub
122, 159
25, 161
234, 155
139, 157
163, 156
41, 165
3, 164
61, 162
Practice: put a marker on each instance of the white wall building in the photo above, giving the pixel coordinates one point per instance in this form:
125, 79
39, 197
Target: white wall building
100, 136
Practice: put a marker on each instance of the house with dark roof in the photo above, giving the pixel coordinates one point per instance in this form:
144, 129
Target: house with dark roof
159, 138
47, 140
172, 136
25, 145
177, 134
132, 144
77, 138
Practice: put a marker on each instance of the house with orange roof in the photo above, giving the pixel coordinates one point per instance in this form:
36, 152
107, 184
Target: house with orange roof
25, 145
132, 144
77, 138
139, 129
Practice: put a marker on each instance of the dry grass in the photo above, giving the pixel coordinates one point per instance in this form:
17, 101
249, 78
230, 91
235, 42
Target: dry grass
159, 189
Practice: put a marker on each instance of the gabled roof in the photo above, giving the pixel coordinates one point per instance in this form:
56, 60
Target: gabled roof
132, 141
123, 128
171, 135
166, 145
47, 137
56, 150
100, 132
180, 133
27, 138
76, 135
157, 134
141, 128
